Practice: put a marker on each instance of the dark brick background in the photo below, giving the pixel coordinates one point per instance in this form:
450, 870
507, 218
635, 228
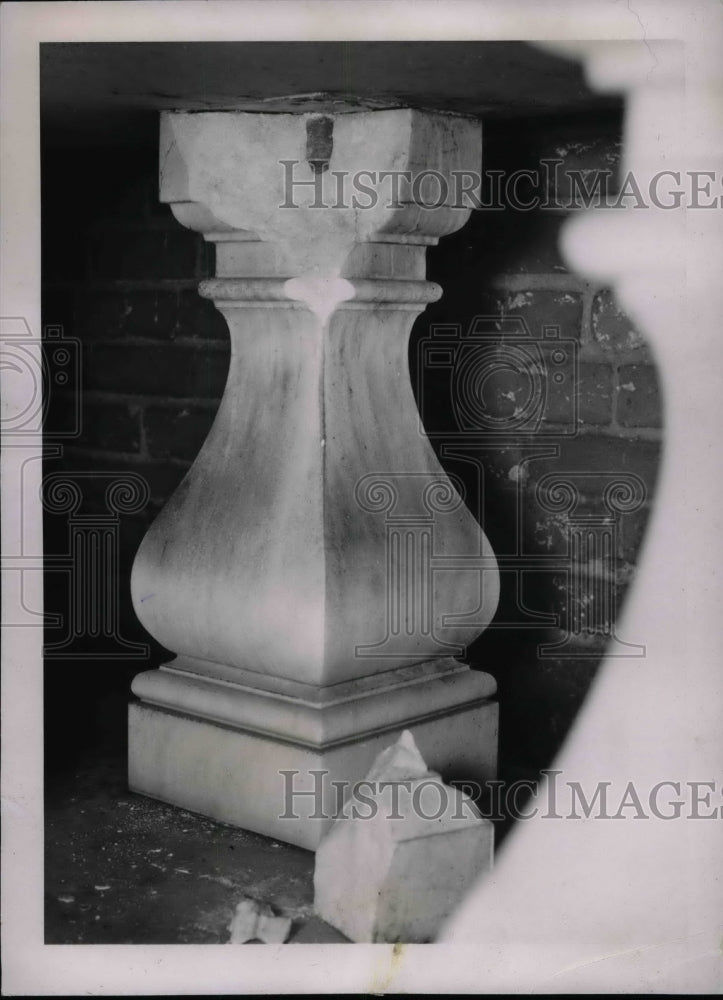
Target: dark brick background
119, 274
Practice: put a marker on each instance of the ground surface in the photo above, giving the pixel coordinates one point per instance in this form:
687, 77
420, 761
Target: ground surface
125, 869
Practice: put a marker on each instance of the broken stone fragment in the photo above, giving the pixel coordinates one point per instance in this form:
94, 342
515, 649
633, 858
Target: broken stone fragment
254, 921
402, 854
399, 761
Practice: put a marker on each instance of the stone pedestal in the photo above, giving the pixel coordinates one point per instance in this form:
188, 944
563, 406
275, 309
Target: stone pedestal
316, 571
267, 761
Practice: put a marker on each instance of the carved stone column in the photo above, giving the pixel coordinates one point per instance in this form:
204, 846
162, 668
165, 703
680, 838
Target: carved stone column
316, 571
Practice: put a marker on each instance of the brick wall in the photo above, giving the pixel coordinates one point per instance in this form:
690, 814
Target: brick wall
120, 275
600, 425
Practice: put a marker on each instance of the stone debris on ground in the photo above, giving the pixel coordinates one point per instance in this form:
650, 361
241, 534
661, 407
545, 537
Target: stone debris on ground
100, 834
400, 857
254, 921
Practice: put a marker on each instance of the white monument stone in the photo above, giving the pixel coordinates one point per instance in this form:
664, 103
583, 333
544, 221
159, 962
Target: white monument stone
316, 571
407, 848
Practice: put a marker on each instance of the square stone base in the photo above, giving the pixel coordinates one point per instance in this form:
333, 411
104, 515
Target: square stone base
235, 776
